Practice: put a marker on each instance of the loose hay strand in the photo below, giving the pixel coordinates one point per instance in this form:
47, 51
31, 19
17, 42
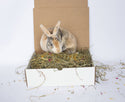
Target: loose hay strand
41, 74
101, 70
78, 74
17, 70
40, 96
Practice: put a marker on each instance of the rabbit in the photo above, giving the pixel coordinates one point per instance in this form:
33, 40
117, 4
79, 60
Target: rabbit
57, 40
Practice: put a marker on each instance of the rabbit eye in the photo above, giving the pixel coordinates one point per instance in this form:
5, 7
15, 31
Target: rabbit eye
51, 44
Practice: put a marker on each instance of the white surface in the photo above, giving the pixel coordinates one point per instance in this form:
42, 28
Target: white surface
107, 44
107, 28
13, 88
65, 77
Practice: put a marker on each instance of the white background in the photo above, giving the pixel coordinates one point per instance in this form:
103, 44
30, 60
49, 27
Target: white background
107, 42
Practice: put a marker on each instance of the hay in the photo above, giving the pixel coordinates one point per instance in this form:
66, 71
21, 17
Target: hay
46, 60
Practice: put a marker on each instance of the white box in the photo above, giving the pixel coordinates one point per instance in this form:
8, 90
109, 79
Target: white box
64, 77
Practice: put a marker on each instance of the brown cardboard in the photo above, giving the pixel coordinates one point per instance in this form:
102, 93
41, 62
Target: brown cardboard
60, 3
75, 20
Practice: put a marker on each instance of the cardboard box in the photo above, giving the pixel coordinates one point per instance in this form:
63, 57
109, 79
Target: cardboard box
74, 16
60, 3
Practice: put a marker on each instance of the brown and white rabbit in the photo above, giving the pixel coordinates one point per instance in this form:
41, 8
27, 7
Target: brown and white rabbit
57, 40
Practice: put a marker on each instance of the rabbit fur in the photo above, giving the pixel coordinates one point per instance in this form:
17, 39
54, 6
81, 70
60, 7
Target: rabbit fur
57, 40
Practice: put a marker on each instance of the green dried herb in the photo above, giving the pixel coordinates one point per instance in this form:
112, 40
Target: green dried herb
81, 58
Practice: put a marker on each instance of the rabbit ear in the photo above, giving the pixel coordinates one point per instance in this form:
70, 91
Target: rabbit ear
55, 31
45, 30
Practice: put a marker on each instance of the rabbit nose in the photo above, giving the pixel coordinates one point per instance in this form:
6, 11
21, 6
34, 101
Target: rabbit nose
58, 50
57, 46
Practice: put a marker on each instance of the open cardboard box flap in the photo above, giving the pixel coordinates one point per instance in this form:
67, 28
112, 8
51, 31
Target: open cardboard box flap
74, 17
75, 20
60, 3
73, 14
